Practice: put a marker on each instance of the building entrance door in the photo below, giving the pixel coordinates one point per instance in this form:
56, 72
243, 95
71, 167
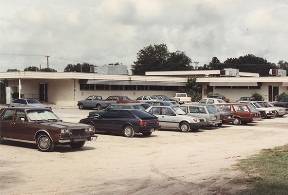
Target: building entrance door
273, 92
43, 88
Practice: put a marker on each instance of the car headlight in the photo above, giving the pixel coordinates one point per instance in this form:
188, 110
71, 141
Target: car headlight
65, 130
90, 129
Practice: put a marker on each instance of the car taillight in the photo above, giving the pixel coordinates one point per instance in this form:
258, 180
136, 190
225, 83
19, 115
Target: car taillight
143, 123
157, 122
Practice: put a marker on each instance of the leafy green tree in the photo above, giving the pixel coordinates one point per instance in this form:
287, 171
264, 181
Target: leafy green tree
283, 65
32, 68
12, 70
282, 95
85, 67
47, 70
158, 58
192, 89
257, 96
247, 63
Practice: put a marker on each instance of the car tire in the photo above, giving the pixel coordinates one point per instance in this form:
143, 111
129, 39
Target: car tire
81, 106
194, 129
77, 145
98, 107
237, 121
219, 124
146, 134
128, 131
184, 127
44, 143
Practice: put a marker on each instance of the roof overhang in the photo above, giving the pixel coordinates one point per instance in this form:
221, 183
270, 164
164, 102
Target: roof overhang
132, 82
233, 84
285, 84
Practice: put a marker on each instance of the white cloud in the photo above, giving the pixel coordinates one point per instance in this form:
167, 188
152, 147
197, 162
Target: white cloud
109, 31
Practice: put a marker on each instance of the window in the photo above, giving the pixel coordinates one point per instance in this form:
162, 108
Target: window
8, 115
20, 114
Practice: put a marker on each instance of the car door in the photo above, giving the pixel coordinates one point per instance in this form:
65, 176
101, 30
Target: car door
20, 128
168, 118
5, 122
123, 117
107, 121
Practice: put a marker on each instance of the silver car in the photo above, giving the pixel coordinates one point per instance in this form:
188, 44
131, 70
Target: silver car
22, 102
204, 111
280, 111
173, 117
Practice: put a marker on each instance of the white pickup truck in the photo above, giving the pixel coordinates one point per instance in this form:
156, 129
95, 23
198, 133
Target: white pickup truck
181, 98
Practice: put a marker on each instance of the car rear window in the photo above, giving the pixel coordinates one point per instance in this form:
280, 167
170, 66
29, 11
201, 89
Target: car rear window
142, 114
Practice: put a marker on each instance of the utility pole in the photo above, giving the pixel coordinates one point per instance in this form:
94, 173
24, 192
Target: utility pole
47, 61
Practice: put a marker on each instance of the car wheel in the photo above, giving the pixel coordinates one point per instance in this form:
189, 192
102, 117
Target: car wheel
195, 129
128, 131
219, 124
77, 144
146, 134
184, 127
81, 106
44, 143
237, 121
98, 107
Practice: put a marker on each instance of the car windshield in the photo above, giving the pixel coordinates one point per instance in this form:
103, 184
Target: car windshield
211, 109
252, 108
153, 97
40, 115
179, 110
268, 104
125, 98
33, 101
257, 105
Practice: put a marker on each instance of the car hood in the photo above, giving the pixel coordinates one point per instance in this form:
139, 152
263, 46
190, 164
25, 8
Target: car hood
60, 124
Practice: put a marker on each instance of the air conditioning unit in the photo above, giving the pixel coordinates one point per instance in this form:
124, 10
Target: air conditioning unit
229, 72
278, 72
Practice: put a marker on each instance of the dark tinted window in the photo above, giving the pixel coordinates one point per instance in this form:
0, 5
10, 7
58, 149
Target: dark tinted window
142, 114
33, 101
110, 114
125, 114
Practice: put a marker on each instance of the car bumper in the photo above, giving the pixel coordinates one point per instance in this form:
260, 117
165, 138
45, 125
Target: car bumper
213, 123
197, 125
143, 129
71, 140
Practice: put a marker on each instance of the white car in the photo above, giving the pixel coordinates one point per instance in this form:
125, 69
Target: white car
22, 102
280, 111
211, 101
269, 112
173, 117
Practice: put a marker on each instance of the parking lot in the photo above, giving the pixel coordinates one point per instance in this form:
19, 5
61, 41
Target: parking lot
168, 162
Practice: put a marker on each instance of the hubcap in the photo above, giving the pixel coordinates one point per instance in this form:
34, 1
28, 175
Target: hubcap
44, 142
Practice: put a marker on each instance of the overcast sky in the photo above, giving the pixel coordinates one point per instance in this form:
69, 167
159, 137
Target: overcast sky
109, 31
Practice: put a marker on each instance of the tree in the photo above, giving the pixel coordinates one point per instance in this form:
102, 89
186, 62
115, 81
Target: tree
283, 65
257, 96
192, 89
247, 63
12, 70
31, 68
47, 70
85, 67
158, 58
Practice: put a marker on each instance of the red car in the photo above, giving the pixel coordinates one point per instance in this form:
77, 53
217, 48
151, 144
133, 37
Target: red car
243, 113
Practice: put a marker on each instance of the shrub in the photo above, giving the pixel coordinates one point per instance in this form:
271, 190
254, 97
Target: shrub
257, 97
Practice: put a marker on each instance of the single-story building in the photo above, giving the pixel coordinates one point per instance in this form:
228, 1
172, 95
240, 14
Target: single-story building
66, 88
